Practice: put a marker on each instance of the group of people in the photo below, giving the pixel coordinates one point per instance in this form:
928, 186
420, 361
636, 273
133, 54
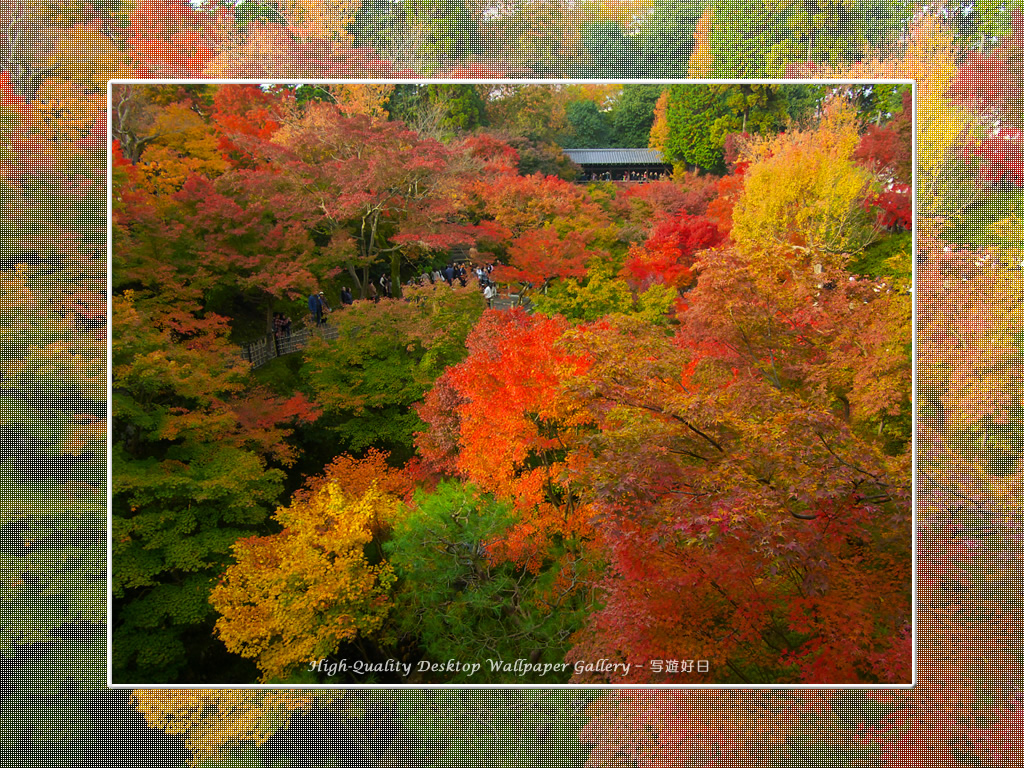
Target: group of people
624, 176
319, 308
451, 274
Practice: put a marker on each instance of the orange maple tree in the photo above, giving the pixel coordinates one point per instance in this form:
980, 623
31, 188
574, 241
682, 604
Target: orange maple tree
515, 428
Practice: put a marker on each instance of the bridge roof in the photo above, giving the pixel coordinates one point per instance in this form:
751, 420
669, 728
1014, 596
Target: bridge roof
615, 156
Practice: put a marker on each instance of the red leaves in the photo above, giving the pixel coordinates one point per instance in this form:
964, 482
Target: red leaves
1002, 154
887, 149
894, 207
540, 255
668, 253
1001, 741
171, 38
985, 80
439, 444
496, 155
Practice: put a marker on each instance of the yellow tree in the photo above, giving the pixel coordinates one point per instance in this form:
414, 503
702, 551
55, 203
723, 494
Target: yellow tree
299, 594
943, 123
319, 19
212, 721
659, 129
805, 195
74, 95
701, 58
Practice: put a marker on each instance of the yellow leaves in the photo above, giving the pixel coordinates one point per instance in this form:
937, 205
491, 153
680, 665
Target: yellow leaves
70, 102
211, 721
16, 298
625, 13
930, 58
805, 193
299, 594
1010, 230
320, 19
89, 58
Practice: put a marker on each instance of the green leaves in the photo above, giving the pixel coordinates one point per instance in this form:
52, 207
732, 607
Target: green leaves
458, 603
385, 358
602, 295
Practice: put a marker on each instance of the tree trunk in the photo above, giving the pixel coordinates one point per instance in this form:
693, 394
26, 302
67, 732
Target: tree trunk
396, 274
357, 287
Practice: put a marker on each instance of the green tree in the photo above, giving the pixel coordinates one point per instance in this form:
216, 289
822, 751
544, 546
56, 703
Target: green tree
193, 461
536, 112
464, 109
441, 111
601, 295
609, 53
747, 39
588, 125
692, 113
458, 604
665, 38
385, 358
700, 117
824, 31
632, 115
754, 109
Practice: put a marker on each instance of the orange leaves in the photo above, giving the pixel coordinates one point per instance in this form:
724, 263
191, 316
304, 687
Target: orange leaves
522, 203
727, 489
439, 444
357, 476
701, 59
514, 424
540, 255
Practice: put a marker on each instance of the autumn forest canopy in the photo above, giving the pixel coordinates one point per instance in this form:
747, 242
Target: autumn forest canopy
652, 447
685, 451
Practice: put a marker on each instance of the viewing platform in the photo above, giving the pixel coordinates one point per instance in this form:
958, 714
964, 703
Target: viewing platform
623, 165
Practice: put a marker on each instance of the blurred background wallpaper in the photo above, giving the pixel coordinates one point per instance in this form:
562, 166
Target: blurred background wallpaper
57, 58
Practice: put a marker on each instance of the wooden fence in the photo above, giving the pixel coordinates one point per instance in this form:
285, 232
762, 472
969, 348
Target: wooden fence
263, 350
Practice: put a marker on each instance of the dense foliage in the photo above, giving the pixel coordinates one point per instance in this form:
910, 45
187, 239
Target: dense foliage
696, 448
57, 60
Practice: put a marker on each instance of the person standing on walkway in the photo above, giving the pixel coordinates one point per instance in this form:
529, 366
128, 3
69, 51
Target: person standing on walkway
315, 309
325, 308
282, 326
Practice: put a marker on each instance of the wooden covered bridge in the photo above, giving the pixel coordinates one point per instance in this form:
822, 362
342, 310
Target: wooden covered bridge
630, 165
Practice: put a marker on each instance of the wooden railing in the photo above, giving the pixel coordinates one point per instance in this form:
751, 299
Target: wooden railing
263, 350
